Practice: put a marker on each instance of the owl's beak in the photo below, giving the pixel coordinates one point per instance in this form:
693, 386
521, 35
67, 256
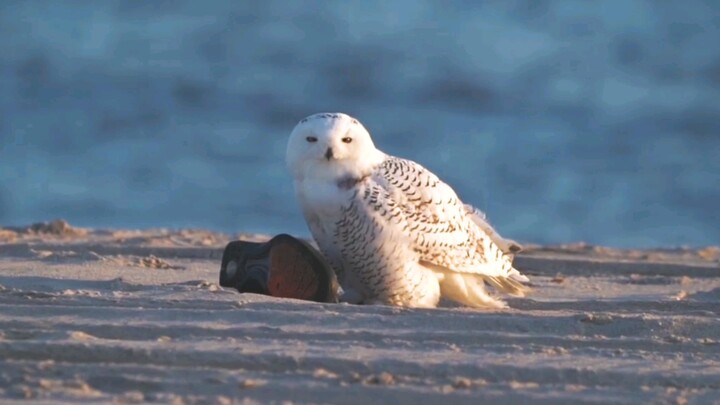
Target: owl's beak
329, 154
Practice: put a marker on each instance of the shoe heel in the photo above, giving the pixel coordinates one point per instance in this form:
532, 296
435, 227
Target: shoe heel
244, 267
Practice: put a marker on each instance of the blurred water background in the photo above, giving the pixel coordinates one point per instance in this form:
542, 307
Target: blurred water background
563, 120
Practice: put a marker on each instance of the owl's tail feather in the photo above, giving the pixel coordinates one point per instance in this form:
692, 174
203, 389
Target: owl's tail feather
510, 285
467, 289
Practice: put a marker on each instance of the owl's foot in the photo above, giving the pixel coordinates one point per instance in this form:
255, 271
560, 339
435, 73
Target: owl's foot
351, 297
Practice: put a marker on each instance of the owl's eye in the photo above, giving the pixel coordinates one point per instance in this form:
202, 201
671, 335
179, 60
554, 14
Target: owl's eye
347, 139
311, 139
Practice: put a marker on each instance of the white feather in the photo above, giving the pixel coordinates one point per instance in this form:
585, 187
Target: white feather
393, 232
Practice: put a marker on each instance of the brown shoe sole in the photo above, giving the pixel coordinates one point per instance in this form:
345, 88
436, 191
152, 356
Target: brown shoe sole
283, 267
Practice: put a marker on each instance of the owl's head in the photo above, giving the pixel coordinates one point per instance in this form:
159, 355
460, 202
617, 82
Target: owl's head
330, 145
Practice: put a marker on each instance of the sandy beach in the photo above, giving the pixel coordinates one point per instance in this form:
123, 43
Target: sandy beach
124, 316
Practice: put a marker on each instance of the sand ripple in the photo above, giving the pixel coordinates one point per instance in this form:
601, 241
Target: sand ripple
594, 331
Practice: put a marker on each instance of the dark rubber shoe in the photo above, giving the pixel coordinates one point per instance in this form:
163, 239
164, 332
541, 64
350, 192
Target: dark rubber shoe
284, 267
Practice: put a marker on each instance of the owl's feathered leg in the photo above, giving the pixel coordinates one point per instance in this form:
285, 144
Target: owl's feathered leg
422, 292
428, 289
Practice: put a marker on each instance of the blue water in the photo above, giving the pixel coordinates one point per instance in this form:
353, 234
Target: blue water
564, 121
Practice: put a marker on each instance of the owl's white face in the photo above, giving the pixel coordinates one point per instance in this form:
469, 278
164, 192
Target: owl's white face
330, 146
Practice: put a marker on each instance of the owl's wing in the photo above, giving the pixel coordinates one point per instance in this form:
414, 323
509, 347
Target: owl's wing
437, 222
509, 246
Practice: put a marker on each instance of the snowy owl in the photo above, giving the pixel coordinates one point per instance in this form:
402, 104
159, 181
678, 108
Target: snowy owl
392, 231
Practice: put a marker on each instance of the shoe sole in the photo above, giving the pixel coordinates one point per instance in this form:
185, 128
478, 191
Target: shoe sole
283, 267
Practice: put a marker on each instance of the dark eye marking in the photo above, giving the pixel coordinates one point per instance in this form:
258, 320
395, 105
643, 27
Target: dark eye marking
311, 139
347, 139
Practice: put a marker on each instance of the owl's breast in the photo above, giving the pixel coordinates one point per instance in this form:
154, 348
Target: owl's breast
324, 199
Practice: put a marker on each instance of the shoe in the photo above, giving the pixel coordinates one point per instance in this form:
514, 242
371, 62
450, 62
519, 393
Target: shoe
283, 267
